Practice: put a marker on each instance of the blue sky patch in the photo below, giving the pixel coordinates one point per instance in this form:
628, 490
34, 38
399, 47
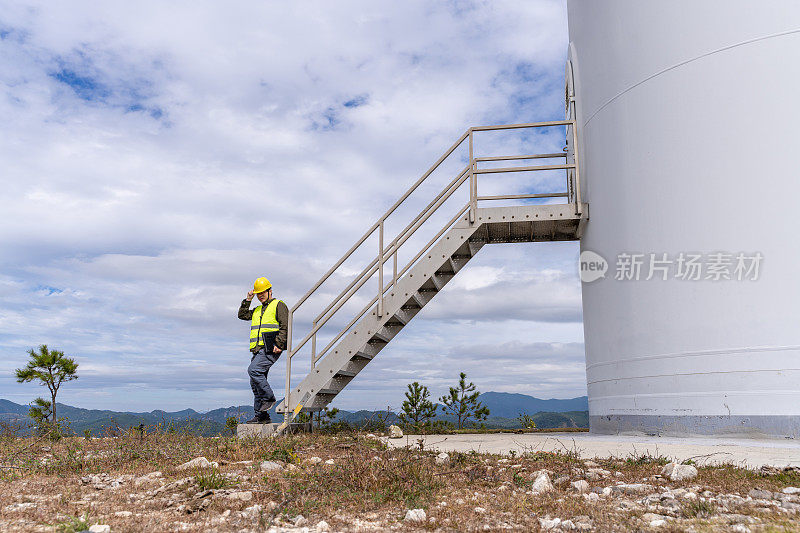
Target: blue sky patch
85, 87
327, 121
357, 101
48, 289
155, 112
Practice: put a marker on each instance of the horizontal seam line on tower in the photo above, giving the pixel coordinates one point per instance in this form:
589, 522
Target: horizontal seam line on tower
694, 374
731, 351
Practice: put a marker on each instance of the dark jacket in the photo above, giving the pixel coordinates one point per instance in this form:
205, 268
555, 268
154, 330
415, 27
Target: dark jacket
281, 313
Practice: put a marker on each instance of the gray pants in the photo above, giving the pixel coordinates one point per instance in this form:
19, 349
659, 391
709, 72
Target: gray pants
258, 369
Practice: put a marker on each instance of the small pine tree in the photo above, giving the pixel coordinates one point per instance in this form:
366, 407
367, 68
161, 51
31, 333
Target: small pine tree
462, 402
526, 421
325, 417
230, 425
418, 410
40, 412
52, 369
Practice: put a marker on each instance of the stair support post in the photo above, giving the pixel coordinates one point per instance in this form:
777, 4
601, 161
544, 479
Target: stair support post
380, 268
314, 345
286, 413
577, 175
473, 182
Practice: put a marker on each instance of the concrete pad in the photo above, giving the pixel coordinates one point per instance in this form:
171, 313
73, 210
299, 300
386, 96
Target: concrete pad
268, 430
750, 453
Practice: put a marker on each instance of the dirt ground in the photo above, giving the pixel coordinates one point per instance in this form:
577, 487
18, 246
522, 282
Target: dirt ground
354, 482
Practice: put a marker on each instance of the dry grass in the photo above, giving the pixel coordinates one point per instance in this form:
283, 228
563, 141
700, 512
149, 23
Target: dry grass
367, 486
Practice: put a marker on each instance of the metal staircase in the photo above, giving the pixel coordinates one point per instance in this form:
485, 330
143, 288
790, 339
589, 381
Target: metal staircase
399, 298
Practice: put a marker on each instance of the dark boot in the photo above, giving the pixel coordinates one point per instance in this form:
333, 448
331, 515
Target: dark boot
262, 417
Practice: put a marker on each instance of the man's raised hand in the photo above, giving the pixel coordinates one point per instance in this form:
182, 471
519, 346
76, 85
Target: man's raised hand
250, 295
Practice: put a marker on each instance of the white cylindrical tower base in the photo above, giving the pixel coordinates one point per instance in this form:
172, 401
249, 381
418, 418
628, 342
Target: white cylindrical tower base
688, 114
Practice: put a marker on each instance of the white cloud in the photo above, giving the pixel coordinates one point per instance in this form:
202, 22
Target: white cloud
158, 157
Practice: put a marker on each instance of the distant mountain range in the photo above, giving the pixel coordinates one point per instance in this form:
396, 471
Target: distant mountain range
504, 409
509, 405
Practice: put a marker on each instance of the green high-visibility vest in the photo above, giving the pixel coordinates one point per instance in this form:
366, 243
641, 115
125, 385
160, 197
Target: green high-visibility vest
264, 321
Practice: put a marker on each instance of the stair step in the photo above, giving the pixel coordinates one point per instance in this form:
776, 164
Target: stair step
475, 247
416, 301
368, 351
459, 262
424, 296
353, 367
442, 278
386, 333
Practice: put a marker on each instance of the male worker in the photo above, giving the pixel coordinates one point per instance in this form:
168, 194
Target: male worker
269, 323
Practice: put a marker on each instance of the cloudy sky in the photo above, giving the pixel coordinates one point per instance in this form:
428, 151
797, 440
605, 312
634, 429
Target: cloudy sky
156, 158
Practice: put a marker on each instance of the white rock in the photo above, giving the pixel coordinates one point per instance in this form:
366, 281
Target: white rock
242, 495
740, 528
632, 488
315, 460
479, 510
268, 466
395, 432
104, 481
442, 459
791, 490
19, 506
592, 497
198, 462
546, 524
100, 528
679, 472
300, 521
253, 510
542, 484
146, 479
581, 485
123, 514
330, 462
415, 515
568, 524
322, 525
690, 496
658, 523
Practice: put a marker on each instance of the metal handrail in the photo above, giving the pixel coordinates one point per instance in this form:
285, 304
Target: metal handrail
470, 172
518, 157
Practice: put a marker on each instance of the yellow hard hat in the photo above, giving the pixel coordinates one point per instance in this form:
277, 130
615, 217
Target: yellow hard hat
261, 285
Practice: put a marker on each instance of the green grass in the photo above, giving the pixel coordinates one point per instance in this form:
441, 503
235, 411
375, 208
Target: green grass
73, 524
646, 458
698, 509
211, 479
